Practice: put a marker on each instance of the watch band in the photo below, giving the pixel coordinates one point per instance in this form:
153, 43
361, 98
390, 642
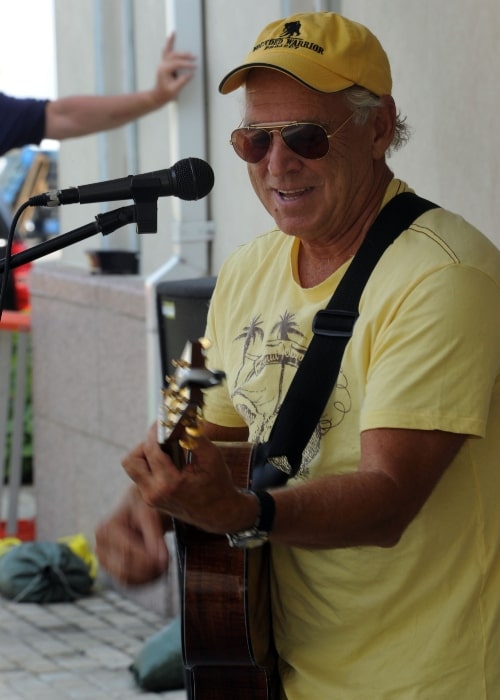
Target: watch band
267, 511
259, 532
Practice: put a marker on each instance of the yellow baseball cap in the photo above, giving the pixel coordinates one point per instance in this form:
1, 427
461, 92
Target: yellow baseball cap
323, 50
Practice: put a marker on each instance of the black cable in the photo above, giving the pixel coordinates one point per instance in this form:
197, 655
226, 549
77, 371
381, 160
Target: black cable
8, 254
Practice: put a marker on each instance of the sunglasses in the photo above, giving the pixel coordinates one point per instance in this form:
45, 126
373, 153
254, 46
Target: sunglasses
305, 139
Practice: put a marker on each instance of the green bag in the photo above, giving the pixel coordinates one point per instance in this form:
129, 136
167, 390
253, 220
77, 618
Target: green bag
159, 666
44, 572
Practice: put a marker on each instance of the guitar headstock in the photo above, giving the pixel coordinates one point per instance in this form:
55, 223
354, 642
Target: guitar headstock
182, 399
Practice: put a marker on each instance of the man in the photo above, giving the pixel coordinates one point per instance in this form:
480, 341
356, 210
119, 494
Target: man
28, 121
385, 546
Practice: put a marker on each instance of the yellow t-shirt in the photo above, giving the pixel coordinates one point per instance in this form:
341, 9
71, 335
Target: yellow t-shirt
420, 620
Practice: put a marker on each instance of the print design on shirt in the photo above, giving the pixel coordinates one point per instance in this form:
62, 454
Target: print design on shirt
279, 348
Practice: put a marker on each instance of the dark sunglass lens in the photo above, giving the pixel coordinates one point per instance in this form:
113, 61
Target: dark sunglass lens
251, 144
306, 140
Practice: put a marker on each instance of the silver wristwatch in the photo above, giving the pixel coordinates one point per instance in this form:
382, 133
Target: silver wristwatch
258, 533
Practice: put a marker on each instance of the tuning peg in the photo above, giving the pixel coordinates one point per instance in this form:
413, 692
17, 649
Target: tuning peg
180, 364
204, 342
188, 443
194, 430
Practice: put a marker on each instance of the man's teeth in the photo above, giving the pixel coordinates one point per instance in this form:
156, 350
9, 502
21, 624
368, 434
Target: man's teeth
289, 194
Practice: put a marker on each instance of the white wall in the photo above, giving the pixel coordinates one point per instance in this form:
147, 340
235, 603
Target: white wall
94, 158
445, 59
232, 28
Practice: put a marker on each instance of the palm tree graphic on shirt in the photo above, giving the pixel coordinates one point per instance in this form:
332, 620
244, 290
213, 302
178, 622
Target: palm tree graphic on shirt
281, 349
285, 347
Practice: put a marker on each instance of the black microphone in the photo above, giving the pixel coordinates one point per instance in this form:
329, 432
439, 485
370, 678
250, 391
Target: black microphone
190, 178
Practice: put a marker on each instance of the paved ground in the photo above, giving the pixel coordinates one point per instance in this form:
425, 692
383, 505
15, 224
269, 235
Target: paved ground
77, 651
73, 651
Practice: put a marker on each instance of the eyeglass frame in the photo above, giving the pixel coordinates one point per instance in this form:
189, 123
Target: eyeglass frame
272, 127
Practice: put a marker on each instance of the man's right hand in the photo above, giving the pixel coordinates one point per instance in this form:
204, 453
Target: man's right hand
130, 543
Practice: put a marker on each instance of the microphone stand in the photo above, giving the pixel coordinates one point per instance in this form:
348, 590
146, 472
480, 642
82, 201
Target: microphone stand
105, 223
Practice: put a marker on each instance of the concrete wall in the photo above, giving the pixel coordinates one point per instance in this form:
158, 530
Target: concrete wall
89, 391
89, 394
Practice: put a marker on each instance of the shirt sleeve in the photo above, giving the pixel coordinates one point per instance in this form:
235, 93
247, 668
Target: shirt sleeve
435, 364
22, 122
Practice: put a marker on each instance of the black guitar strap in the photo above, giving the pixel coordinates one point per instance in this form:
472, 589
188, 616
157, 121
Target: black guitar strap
279, 459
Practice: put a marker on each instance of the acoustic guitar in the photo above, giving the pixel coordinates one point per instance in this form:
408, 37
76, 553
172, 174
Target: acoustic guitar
227, 638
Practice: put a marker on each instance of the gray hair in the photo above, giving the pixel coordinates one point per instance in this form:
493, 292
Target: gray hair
363, 102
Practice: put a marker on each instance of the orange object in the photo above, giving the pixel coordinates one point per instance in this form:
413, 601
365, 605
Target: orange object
26, 530
15, 321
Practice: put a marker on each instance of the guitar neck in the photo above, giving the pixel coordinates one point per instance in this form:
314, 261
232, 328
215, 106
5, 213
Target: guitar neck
175, 452
228, 646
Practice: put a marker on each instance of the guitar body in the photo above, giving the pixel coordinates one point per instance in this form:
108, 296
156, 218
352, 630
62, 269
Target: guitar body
227, 637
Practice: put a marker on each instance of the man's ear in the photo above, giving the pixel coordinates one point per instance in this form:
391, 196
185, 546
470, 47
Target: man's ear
384, 125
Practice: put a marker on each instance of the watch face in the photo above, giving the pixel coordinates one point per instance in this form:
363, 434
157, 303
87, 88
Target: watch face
248, 539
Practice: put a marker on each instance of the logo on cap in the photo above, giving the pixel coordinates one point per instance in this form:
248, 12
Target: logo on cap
291, 29
287, 40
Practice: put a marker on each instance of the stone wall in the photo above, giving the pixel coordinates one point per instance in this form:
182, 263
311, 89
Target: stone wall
89, 400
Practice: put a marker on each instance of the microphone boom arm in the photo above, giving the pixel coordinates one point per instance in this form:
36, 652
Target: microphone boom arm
104, 223
146, 203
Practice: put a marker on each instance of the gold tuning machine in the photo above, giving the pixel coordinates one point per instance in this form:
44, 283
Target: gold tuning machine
190, 439
204, 342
